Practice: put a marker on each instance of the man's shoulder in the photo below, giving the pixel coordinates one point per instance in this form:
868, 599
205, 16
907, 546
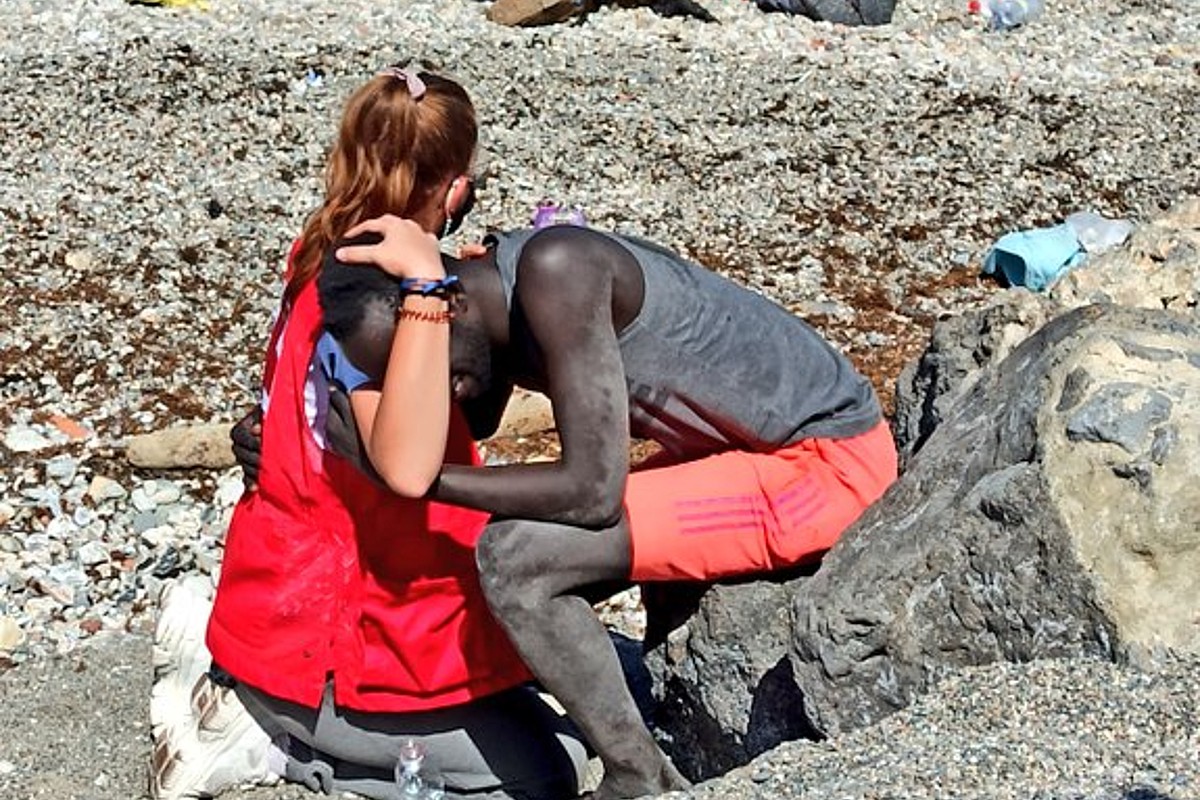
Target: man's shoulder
563, 251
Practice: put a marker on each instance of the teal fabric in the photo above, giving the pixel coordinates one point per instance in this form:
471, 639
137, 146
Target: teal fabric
1034, 258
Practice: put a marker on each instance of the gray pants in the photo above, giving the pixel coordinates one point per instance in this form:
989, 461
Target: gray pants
508, 745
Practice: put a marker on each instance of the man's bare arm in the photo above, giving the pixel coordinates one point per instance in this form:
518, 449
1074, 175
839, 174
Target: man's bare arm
565, 292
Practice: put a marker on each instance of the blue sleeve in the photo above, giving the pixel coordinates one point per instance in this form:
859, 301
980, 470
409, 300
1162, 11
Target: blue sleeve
337, 367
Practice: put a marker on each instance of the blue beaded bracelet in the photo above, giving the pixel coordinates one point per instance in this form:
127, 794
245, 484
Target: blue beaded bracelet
444, 288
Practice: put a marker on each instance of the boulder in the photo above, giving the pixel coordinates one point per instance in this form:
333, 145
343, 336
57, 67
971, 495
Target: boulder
1049, 512
721, 681
959, 349
1032, 526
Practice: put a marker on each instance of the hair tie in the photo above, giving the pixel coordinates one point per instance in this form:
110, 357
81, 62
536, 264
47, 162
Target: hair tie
416, 86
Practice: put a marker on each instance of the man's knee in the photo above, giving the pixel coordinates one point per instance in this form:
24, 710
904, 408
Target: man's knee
502, 556
496, 548
523, 562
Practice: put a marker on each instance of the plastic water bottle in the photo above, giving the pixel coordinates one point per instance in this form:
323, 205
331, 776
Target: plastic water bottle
415, 776
408, 769
1005, 15
1096, 233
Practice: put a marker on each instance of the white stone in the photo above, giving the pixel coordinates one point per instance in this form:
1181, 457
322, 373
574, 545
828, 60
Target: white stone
21, 439
11, 636
526, 413
41, 607
80, 259
142, 498
61, 528
163, 492
229, 489
62, 594
102, 488
93, 553
158, 535
62, 468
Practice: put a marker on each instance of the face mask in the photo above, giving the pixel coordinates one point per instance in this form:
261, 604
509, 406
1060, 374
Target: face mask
455, 220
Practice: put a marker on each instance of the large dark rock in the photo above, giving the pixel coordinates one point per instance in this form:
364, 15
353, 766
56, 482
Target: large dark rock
723, 682
842, 12
1051, 512
958, 351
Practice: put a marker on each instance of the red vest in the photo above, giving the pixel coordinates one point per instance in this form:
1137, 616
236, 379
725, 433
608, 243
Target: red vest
324, 573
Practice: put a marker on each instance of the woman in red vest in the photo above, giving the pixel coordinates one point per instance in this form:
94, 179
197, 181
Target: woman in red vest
348, 619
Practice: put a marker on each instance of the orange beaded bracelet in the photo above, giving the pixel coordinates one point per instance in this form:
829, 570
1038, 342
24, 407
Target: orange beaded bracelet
441, 317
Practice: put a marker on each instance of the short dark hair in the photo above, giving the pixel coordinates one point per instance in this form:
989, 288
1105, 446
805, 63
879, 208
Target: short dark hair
347, 290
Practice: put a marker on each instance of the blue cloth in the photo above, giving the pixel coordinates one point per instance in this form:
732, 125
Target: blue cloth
337, 367
1035, 258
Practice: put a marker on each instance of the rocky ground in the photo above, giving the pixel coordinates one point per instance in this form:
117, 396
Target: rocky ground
156, 162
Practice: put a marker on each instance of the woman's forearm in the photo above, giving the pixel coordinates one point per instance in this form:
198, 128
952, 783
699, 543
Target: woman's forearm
406, 441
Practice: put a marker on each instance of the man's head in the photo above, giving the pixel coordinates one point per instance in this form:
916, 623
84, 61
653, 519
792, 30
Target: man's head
359, 308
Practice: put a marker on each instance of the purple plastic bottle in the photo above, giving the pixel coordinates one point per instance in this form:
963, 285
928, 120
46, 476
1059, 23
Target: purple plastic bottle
550, 213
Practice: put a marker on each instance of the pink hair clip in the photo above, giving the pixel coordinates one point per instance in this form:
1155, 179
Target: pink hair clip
416, 86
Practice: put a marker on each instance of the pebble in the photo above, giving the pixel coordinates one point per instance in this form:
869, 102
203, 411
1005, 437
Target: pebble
92, 553
11, 634
101, 488
62, 469
1084, 730
20, 439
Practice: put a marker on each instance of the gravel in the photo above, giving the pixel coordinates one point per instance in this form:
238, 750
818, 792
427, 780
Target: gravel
1049, 729
156, 162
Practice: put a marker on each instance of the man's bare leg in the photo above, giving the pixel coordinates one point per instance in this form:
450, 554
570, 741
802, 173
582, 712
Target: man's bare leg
533, 574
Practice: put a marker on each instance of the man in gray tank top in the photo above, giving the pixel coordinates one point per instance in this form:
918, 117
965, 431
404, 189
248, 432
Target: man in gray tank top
772, 444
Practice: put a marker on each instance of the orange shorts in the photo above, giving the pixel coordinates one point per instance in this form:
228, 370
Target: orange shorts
739, 512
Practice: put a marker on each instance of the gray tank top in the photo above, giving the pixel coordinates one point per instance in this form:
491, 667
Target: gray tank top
712, 366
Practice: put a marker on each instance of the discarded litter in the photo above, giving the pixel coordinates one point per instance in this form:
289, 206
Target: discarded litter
1003, 15
1036, 258
1096, 233
550, 213
312, 80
